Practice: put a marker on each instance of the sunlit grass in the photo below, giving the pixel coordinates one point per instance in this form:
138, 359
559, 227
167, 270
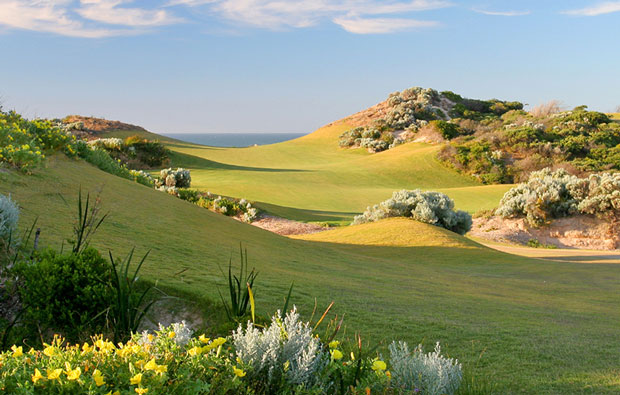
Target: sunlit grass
547, 327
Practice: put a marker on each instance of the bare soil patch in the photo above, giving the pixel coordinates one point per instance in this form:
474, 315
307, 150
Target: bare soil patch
286, 227
584, 232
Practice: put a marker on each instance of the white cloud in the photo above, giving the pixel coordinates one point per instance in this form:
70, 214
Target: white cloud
278, 14
380, 25
59, 17
501, 13
107, 11
104, 18
598, 9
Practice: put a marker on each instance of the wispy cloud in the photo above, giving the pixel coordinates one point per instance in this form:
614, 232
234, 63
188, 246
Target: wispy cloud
607, 7
105, 18
352, 15
87, 19
501, 13
109, 12
380, 25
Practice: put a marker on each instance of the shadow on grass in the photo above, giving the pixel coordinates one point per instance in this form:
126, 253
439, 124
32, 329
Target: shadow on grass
305, 215
191, 161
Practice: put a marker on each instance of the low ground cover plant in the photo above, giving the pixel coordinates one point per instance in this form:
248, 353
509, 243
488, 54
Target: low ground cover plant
551, 194
136, 152
230, 207
429, 207
24, 143
9, 218
284, 357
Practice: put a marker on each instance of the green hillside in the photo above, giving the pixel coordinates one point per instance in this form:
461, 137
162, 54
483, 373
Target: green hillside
311, 179
546, 327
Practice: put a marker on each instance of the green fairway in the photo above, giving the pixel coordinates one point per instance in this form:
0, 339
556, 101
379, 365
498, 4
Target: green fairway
545, 327
312, 179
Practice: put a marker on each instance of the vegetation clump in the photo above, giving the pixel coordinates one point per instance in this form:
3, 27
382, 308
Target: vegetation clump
284, 357
24, 143
508, 148
433, 208
551, 194
412, 109
135, 151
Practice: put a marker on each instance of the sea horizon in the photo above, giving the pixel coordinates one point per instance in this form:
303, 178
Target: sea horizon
234, 139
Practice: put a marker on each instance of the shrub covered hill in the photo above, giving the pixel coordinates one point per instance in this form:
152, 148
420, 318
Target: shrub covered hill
493, 141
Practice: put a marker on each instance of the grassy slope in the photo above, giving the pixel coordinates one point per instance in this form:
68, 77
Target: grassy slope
546, 327
312, 179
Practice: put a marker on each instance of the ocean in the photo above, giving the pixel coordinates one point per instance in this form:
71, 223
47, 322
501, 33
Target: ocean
234, 139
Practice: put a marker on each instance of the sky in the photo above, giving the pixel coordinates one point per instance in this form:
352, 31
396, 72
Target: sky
202, 66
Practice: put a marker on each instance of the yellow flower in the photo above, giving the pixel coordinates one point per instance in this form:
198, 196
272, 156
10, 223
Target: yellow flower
238, 372
150, 365
378, 366
336, 354
214, 344
74, 374
49, 351
137, 379
334, 344
388, 374
141, 390
172, 335
98, 377
161, 369
113, 393
37, 376
194, 351
17, 351
86, 348
150, 337
203, 339
53, 374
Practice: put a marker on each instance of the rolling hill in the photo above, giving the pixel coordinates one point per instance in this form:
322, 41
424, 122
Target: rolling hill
545, 327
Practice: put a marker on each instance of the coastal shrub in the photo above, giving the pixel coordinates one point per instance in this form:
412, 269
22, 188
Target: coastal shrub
430, 373
64, 292
545, 195
9, 218
284, 355
552, 194
151, 153
446, 129
142, 177
179, 178
429, 207
190, 195
112, 143
599, 195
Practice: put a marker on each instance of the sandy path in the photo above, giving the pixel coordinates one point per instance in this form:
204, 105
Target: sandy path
560, 254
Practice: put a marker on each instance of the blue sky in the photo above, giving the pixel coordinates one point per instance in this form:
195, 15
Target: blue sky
293, 66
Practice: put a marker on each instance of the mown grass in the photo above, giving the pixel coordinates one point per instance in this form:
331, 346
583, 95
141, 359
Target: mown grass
311, 178
546, 327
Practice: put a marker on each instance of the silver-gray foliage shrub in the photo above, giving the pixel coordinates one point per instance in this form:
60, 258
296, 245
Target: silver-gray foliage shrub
179, 178
9, 216
429, 373
284, 352
433, 208
552, 194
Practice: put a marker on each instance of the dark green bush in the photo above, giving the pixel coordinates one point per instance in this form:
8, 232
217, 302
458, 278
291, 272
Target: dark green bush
190, 195
448, 130
65, 292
